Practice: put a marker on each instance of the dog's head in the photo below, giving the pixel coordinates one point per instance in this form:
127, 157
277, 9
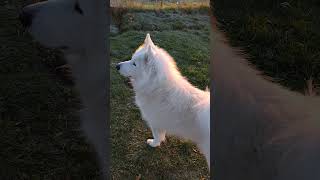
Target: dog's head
57, 23
142, 63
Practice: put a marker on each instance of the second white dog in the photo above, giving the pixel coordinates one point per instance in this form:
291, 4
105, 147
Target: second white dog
167, 101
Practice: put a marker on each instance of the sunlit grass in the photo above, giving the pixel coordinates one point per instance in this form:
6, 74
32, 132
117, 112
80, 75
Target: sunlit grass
160, 5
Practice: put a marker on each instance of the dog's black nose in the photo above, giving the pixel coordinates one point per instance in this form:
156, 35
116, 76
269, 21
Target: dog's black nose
26, 18
118, 67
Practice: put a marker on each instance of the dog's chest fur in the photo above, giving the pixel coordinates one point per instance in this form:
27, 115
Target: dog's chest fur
162, 110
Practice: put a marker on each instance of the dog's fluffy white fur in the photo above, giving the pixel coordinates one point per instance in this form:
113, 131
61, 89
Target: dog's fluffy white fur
79, 27
167, 101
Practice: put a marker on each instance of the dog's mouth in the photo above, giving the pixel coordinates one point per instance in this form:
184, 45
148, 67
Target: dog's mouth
128, 82
24, 30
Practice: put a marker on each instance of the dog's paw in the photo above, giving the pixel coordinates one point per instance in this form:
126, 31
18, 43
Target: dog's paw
153, 143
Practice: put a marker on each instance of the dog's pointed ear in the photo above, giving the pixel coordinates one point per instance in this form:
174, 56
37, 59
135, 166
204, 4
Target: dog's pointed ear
149, 54
148, 41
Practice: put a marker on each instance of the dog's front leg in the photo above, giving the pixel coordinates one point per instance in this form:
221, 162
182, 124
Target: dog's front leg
159, 135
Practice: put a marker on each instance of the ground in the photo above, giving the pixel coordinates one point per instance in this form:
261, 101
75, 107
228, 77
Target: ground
185, 35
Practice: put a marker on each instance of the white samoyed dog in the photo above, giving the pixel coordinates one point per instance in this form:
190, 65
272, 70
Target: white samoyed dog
167, 101
79, 28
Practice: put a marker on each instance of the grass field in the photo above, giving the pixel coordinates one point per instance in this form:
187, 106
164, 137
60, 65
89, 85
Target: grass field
40, 136
185, 35
281, 38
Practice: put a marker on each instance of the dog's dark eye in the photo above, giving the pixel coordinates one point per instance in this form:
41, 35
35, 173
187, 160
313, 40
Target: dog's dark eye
78, 9
134, 64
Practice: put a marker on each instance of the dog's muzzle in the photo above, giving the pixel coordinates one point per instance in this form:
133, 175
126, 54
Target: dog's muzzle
26, 18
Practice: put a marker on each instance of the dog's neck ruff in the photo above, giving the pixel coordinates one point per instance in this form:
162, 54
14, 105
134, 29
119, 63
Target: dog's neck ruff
163, 79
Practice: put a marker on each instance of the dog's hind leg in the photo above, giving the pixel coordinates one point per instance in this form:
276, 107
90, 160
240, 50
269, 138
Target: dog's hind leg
159, 135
